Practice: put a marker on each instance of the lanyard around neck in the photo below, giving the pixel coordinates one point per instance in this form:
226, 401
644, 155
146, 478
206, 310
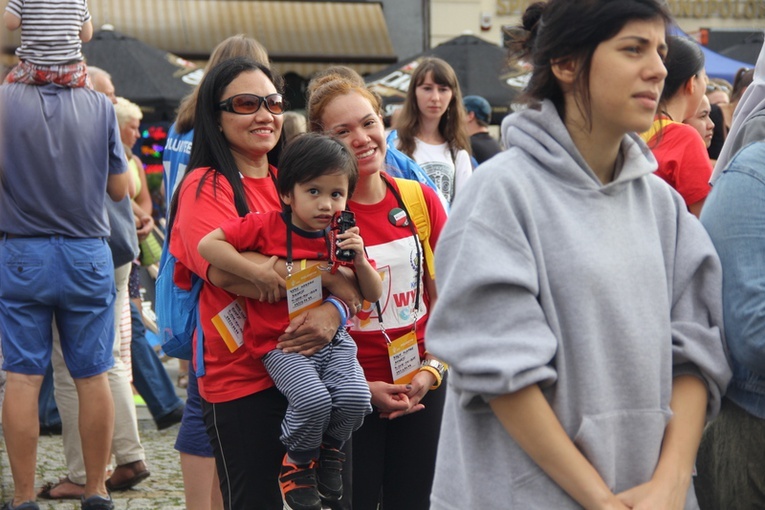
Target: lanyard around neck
287, 217
412, 228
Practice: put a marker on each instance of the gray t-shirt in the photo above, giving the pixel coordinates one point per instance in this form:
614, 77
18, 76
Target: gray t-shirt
57, 149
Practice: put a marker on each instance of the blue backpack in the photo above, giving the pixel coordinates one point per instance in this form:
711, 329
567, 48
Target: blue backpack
177, 309
177, 312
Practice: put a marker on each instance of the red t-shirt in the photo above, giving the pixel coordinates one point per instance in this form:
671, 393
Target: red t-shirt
683, 161
229, 375
267, 234
394, 252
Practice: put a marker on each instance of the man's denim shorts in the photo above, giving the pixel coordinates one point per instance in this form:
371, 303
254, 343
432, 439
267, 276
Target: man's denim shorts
69, 280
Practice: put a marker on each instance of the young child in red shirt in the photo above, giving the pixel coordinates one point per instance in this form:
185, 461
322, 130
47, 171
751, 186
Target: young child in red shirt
327, 392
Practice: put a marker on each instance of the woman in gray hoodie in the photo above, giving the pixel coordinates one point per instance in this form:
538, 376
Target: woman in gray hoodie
579, 301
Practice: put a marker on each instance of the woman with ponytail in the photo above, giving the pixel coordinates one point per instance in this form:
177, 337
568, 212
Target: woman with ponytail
681, 152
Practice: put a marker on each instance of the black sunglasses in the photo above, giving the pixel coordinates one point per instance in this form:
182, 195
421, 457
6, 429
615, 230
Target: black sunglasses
247, 104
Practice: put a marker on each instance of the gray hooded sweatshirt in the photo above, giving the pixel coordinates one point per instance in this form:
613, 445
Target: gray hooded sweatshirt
601, 294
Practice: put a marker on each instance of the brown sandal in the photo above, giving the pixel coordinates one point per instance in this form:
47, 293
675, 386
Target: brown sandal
137, 472
47, 490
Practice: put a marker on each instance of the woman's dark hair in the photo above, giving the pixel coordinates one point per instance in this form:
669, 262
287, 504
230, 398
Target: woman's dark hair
744, 77
567, 30
312, 155
209, 147
451, 125
684, 61
235, 46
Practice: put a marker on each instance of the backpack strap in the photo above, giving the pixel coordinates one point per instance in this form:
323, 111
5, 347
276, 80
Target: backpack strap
414, 200
196, 289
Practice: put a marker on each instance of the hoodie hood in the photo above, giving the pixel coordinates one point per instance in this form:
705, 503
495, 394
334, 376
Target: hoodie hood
540, 132
752, 104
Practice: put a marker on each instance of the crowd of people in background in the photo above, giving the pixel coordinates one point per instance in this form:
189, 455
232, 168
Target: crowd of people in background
592, 339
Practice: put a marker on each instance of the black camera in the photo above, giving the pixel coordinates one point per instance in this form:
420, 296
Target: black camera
341, 222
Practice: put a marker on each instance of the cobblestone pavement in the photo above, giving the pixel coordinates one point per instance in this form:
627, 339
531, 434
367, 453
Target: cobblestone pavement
163, 490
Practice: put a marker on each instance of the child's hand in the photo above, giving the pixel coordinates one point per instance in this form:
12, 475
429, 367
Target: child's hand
351, 240
267, 280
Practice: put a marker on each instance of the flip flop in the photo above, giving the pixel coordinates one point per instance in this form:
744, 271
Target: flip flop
49, 487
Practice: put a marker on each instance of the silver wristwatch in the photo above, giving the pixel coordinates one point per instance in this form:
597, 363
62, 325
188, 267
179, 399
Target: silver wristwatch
434, 363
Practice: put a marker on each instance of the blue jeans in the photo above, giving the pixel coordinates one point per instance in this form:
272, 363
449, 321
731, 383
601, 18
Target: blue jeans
149, 375
47, 409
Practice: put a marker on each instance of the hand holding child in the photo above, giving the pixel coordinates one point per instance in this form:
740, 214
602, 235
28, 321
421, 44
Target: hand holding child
217, 251
265, 278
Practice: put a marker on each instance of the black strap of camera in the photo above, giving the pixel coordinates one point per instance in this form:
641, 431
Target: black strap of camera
287, 216
412, 228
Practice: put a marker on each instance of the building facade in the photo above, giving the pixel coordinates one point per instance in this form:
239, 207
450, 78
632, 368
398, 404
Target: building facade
450, 18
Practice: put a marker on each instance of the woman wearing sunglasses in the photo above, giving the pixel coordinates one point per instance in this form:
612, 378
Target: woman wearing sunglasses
201, 486
238, 120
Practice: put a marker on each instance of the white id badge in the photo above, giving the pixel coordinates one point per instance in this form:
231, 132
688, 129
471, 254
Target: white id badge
230, 324
404, 358
304, 291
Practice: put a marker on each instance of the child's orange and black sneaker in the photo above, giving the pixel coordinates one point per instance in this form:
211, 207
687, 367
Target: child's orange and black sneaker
329, 473
298, 486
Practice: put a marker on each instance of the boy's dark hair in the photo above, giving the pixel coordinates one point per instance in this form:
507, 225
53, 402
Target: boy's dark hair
209, 147
568, 30
312, 155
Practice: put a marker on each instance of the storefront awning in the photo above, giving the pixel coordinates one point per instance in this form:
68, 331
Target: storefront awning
301, 37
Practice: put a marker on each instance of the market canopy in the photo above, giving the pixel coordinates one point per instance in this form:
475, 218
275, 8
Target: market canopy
301, 37
481, 69
152, 78
720, 66
747, 50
